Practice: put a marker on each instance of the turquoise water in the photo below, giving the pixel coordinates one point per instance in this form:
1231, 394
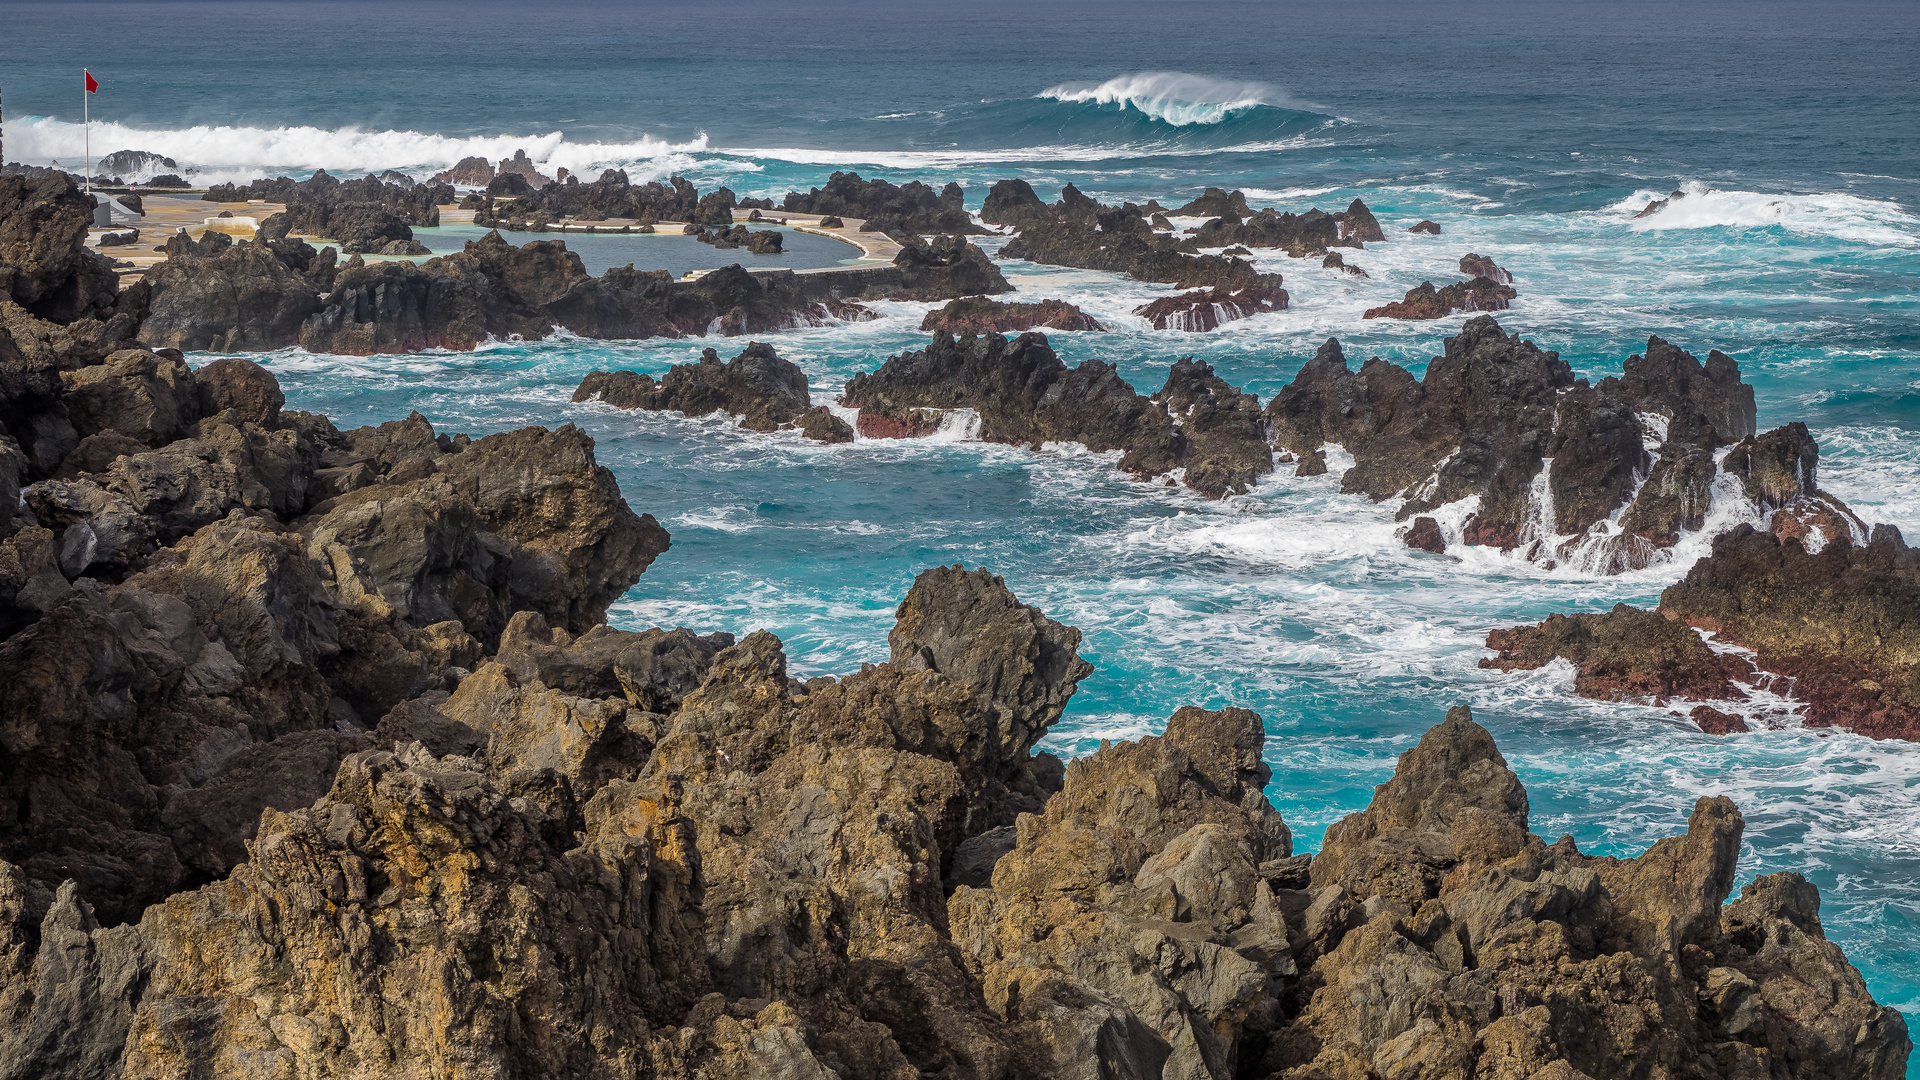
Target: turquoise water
1531, 133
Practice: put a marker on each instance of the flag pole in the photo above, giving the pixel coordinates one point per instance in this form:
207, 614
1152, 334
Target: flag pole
86, 128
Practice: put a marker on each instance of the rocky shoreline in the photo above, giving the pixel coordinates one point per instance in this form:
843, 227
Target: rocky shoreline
319, 759
1834, 630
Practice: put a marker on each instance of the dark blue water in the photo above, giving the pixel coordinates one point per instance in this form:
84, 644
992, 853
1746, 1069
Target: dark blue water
1531, 132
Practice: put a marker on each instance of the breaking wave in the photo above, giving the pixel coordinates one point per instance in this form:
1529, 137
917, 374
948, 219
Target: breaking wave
1173, 97
1835, 214
217, 153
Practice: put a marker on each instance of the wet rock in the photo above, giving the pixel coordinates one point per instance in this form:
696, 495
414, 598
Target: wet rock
1430, 228
1022, 394
759, 242
1013, 202
1080, 232
1206, 309
1626, 654
1483, 266
1426, 302
980, 315
821, 425
1424, 535
763, 390
1334, 261
1226, 437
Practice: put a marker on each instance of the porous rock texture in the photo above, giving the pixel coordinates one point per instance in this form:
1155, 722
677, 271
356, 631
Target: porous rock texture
763, 390
1555, 461
659, 855
912, 207
1440, 938
1837, 630
982, 315
1423, 301
206, 601
1077, 231
1025, 395
274, 293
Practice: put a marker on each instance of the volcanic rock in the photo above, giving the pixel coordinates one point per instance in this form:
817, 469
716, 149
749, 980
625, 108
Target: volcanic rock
1430, 228
1334, 261
1490, 415
911, 208
979, 315
469, 172
1226, 436
1426, 302
1206, 309
757, 241
1483, 266
1013, 202
45, 264
763, 390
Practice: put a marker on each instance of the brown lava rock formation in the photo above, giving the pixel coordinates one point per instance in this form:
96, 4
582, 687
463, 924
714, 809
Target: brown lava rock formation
981, 315
1837, 629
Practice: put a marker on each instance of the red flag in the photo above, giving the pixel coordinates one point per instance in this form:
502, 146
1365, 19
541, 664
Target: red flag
93, 84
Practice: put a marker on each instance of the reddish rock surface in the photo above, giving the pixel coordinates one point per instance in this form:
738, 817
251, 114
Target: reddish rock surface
1424, 535
1206, 309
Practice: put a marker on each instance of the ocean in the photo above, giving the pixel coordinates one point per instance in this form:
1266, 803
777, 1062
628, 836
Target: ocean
1531, 132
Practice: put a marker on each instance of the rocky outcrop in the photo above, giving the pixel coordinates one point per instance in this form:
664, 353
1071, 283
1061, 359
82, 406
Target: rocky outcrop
1013, 202
1024, 395
1446, 939
276, 293
1552, 459
911, 208
1483, 266
1299, 235
1079, 232
1430, 228
1207, 309
363, 216
1833, 629
206, 600
1335, 261
657, 855
757, 241
1426, 302
468, 172
979, 315
45, 266
610, 196
1226, 448
764, 391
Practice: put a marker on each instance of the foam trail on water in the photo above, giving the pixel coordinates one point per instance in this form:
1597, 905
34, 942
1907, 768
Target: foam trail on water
1835, 214
1173, 97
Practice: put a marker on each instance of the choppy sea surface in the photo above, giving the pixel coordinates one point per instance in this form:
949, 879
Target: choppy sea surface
1532, 133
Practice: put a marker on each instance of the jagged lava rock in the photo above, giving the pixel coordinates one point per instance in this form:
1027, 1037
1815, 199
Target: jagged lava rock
980, 315
1490, 414
765, 391
1423, 301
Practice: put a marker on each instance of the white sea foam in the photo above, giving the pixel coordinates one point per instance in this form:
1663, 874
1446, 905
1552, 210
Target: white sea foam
958, 158
244, 152
1836, 214
1174, 97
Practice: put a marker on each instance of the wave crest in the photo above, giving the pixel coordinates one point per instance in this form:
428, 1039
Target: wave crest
1173, 97
240, 153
